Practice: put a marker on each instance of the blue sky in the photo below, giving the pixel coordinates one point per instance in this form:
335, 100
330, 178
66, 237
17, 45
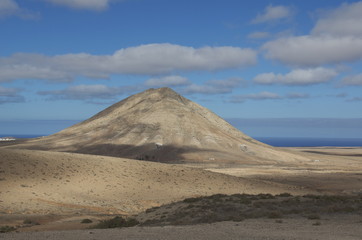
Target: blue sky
260, 64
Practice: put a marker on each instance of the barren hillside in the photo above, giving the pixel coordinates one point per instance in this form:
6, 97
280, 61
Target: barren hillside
161, 125
39, 182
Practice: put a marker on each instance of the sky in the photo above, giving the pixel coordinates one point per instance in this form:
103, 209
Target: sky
272, 68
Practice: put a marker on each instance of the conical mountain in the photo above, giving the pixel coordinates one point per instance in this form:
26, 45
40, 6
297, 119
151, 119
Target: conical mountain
161, 125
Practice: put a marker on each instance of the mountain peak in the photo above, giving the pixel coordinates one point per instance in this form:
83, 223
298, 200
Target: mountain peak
159, 94
160, 125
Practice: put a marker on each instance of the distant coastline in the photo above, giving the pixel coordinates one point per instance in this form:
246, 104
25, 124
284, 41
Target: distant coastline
274, 141
310, 142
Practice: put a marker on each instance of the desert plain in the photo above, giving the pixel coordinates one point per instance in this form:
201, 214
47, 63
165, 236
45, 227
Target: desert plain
57, 190
221, 184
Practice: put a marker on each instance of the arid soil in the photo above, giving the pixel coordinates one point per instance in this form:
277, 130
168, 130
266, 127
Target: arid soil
329, 170
40, 182
58, 190
337, 228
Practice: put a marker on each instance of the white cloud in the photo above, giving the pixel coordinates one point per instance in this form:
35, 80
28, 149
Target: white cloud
167, 81
214, 86
297, 77
26, 71
343, 21
83, 4
148, 59
314, 50
10, 95
353, 80
8, 7
7, 91
335, 38
11, 8
267, 96
272, 13
296, 95
355, 99
164, 58
255, 96
258, 35
85, 92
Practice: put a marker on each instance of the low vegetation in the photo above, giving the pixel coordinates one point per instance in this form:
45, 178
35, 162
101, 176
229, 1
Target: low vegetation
5, 229
86, 220
117, 222
237, 207
30, 222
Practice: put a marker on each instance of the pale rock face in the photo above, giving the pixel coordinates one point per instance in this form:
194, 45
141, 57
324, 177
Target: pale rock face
161, 125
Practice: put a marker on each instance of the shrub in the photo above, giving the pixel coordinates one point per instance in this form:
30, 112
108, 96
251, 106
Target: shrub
117, 222
191, 200
30, 222
5, 229
86, 220
265, 196
284, 195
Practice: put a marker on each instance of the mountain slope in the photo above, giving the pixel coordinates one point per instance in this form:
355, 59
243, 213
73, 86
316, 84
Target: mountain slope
161, 125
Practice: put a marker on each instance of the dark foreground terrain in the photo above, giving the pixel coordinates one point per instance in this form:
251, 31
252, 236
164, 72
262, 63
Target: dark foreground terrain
238, 216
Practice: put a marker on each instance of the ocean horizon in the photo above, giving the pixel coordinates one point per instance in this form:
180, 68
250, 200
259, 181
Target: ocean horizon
273, 141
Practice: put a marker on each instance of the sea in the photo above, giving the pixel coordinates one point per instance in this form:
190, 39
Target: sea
276, 141
310, 142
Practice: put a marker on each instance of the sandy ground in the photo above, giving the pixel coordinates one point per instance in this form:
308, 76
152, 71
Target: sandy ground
59, 189
329, 170
341, 227
39, 182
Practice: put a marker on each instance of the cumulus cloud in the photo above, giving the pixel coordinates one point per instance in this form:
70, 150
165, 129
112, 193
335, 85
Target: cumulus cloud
83, 4
170, 81
341, 95
335, 38
314, 50
343, 21
272, 13
297, 77
85, 92
267, 96
10, 72
258, 35
214, 86
255, 96
8, 7
353, 80
296, 95
10, 95
355, 99
150, 59
11, 8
